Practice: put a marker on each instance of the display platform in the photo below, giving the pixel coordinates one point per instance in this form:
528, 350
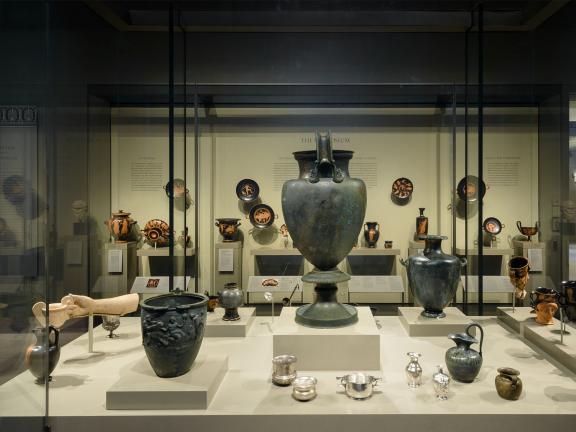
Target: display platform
545, 337
417, 325
247, 401
216, 327
354, 347
140, 389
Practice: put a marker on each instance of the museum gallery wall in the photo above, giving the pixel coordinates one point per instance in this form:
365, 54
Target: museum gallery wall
422, 152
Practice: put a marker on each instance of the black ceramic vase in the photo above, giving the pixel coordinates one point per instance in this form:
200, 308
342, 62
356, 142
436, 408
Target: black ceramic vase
46, 349
433, 277
172, 331
324, 210
371, 233
463, 362
231, 298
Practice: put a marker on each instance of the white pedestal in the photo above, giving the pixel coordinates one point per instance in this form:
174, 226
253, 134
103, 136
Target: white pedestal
140, 389
545, 337
417, 325
355, 347
216, 327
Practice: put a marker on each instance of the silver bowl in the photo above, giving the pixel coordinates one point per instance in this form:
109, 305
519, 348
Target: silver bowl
358, 385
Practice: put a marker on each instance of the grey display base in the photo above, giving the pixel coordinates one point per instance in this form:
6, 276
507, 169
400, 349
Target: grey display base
545, 337
216, 327
354, 347
140, 389
418, 325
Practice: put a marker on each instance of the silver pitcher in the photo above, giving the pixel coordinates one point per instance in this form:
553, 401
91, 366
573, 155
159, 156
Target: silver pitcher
284, 369
414, 370
358, 385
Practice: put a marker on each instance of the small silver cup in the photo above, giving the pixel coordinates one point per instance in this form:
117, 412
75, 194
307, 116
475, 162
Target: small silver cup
304, 388
284, 369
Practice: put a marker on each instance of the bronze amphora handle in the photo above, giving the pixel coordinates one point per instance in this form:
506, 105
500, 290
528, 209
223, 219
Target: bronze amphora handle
324, 158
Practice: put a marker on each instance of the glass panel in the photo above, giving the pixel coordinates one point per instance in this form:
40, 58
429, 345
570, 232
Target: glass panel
27, 274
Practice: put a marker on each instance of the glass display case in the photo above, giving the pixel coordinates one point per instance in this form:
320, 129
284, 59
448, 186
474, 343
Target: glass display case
164, 231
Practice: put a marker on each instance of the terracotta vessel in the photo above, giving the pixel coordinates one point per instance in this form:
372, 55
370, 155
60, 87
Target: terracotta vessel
213, 301
172, 331
157, 233
324, 210
433, 277
76, 306
544, 302
421, 225
37, 355
371, 233
120, 226
528, 231
508, 384
228, 228
463, 362
545, 313
518, 270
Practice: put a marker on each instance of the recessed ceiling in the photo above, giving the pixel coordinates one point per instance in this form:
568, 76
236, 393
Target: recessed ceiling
325, 15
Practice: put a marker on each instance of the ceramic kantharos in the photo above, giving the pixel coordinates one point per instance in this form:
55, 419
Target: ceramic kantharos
262, 216
470, 188
528, 231
402, 189
247, 190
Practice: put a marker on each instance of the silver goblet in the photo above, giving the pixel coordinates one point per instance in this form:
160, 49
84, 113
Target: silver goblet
111, 323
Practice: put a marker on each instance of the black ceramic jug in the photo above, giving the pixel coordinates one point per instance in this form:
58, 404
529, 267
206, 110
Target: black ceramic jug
46, 349
463, 362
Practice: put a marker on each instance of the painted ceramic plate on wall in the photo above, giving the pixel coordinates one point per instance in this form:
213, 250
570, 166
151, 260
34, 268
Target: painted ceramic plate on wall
470, 188
262, 216
247, 190
402, 189
492, 225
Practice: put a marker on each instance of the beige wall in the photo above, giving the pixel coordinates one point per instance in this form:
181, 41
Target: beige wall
232, 149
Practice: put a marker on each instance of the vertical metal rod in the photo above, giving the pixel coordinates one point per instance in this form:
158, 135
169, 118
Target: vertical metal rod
466, 84
454, 156
185, 132
453, 177
197, 186
47, 218
171, 143
480, 156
